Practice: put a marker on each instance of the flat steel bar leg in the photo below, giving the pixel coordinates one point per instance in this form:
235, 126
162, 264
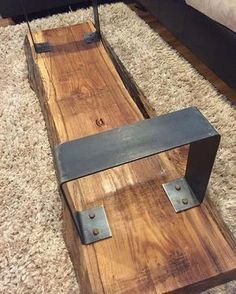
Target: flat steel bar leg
38, 47
90, 155
27, 21
96, 16
95, 36
200, 163
189, 191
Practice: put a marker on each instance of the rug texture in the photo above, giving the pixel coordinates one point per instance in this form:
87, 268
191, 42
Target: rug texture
33, 257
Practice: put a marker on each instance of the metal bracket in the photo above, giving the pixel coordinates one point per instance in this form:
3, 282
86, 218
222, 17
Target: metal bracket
93, 225
93, 154
42, 47
92, 38
89, 38
95, 36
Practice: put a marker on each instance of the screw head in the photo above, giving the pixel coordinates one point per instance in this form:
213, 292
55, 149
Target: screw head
185, 201
100, 122
95, 232
178, 187
92, 215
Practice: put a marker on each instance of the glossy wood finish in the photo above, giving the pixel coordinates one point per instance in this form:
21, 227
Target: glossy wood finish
153, 249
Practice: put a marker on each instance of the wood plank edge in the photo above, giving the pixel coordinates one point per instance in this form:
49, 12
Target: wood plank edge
70, 233
204, 285
135, 92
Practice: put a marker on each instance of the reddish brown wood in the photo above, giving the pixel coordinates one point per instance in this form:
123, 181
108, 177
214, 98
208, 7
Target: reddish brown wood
153, 249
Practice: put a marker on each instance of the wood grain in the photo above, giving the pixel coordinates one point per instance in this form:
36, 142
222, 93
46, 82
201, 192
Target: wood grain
153, 249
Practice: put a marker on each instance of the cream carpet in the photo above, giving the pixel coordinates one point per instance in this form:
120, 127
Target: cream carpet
33, 257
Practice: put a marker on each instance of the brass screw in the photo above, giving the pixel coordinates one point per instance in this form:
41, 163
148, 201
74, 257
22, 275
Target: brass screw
185, 201
96, 232
92, 215
178, 187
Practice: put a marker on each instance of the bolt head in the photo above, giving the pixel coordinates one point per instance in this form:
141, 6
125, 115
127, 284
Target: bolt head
178, 187
92, 215
95, 232
185, 201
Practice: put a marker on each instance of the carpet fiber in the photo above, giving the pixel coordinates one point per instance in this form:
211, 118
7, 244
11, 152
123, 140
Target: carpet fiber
33, 257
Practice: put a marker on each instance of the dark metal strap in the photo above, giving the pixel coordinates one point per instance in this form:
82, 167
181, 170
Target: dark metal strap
95, 36
93, 154
96, 16
38, 47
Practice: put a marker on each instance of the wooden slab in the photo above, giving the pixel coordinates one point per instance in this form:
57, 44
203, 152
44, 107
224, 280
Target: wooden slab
153, 249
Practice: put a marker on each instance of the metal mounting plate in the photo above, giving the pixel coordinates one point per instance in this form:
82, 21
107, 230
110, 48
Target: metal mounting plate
42, 47
93, 225
180, 195
92, 38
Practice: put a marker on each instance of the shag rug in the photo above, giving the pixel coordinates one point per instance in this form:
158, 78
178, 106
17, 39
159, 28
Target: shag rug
33, 256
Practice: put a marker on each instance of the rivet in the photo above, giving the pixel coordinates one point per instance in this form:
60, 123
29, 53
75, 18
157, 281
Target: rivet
96, 232
92, 215
185, 201
100, 122
178, 187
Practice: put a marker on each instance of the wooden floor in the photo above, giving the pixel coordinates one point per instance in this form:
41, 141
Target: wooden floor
4, 22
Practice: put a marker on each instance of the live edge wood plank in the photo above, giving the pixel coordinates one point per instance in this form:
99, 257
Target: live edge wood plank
153, 249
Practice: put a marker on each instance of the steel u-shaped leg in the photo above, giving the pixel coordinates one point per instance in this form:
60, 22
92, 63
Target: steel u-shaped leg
93, 154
